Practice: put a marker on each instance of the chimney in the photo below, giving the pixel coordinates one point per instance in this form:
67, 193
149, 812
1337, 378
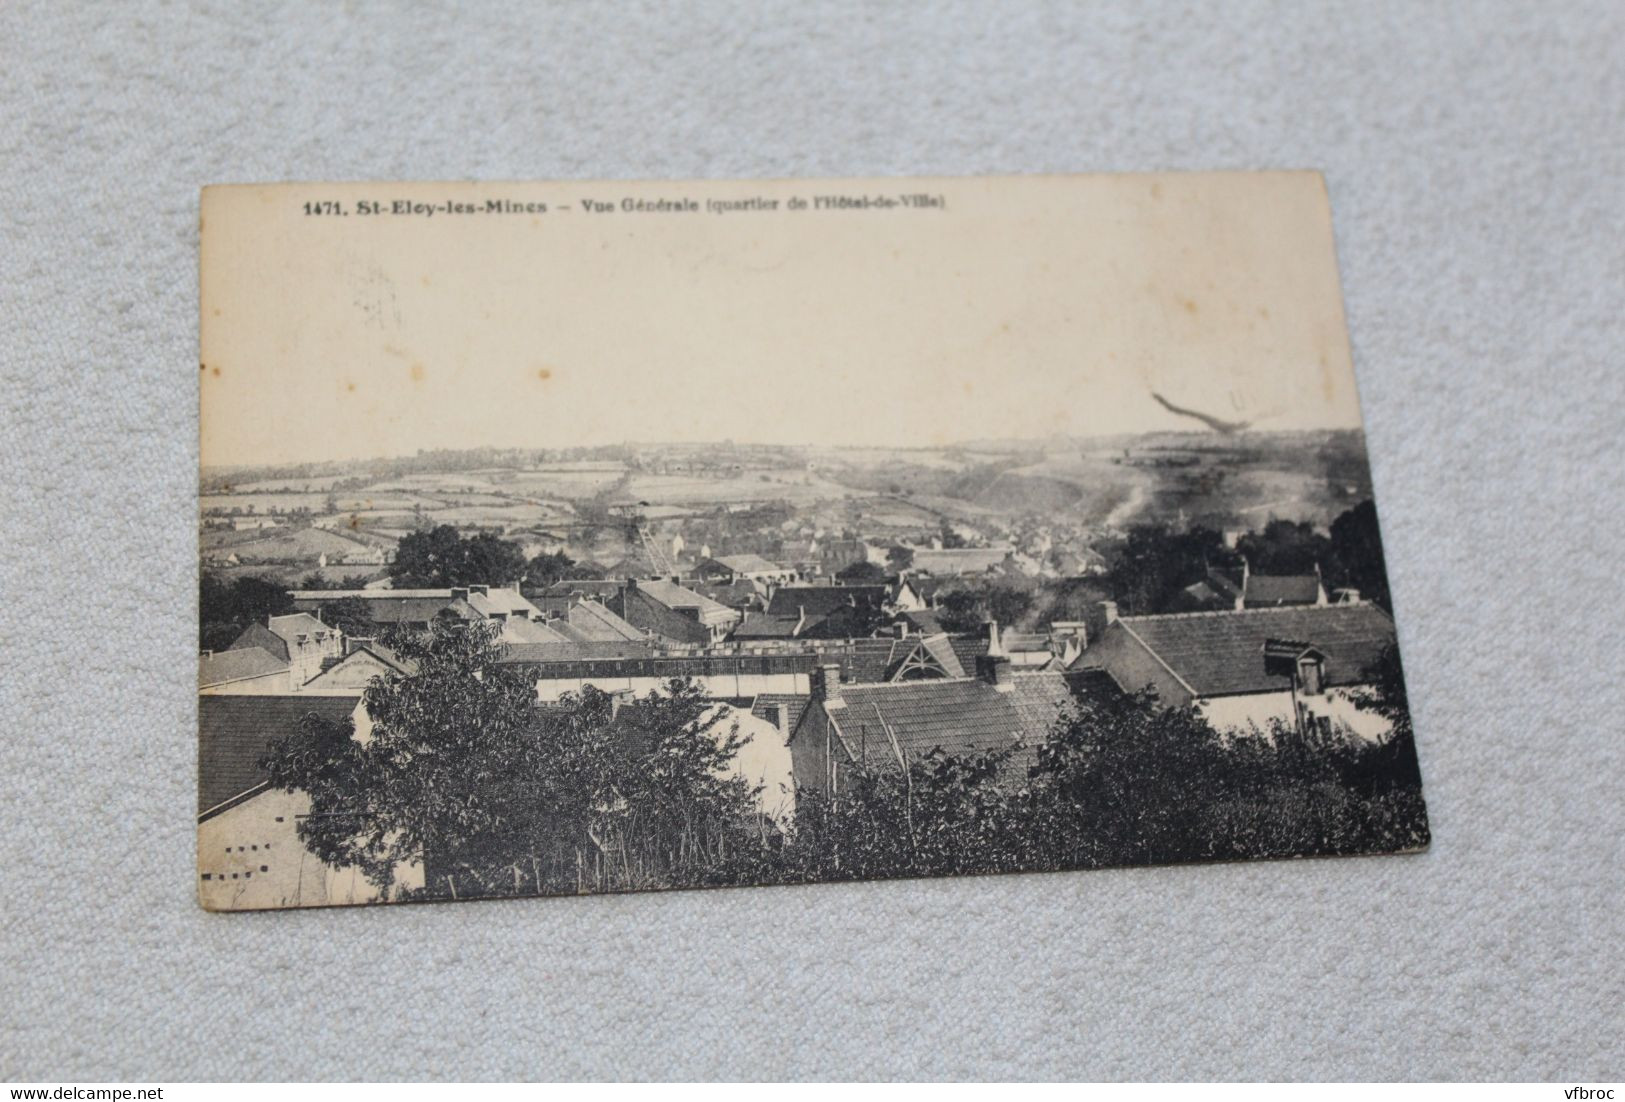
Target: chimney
1108, 612
995, 669
826, 684
994, 646
781, 717
901, 627
616, 700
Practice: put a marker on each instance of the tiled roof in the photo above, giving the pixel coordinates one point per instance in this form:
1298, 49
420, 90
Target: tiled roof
941, 648
821, 600
288, 628
969, 648
235, 731
1263, 590
765, 625
675, 596
516, 630
735, 594
869, 661
748, 564
795, 705
499, 599
962, 716
958, 560
257, 636
386, 655
410, 606
573, 652
924, 621
1218, 653
237, 665
600, 586
591, 622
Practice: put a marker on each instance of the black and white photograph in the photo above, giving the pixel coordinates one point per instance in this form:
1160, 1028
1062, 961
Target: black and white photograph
607, 537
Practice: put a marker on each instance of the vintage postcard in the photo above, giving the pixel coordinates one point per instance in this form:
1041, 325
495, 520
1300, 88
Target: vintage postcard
605, 536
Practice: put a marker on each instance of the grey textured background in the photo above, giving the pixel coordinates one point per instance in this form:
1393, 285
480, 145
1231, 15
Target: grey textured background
1475, 156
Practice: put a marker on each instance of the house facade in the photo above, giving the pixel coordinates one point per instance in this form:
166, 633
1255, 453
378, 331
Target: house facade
1250, 668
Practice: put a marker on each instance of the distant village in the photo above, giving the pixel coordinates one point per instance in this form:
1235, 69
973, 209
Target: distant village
826, 645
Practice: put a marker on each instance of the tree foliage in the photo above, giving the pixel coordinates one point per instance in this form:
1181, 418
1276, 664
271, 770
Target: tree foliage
862, 572
351, 615
225, 608
462, 772
438, 558
547, 569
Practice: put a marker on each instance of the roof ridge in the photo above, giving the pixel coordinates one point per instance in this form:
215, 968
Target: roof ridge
1240, 611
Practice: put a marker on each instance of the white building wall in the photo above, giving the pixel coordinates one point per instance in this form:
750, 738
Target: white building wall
735, 686
250, 857
1238, 713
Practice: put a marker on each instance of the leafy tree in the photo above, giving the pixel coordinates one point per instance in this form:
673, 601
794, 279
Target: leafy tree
1356, 554
861, 572
973, 602
462, 772
900, 558
489, 559
438, 558
429, 558
225, 608
548, 568
1285, 547
351, 615
1154, 564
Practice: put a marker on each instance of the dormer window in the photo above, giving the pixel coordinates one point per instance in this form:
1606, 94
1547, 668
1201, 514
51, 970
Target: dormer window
1311, 672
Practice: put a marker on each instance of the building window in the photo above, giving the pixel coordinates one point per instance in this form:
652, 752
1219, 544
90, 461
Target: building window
265, 868
279, 818
208, 876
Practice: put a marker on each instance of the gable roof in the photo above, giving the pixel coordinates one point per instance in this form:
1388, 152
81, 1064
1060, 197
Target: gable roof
961, 716
362, 654
737, 594
235, 731
1222, 653
675, 596
603, 587
1263, 590
237, 665
822, 600
923, 620
387, 655
496, 599
591, 622
288, 628
794, 706
518, 630
765, 625
748, 564
257, 636
521, 653
958, 560
384, 606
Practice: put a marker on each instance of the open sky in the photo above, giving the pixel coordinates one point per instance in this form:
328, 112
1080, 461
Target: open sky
1024, 307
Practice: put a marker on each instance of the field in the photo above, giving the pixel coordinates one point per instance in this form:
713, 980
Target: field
721, 493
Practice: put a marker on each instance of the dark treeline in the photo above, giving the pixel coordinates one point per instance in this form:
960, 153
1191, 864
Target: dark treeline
499, 797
